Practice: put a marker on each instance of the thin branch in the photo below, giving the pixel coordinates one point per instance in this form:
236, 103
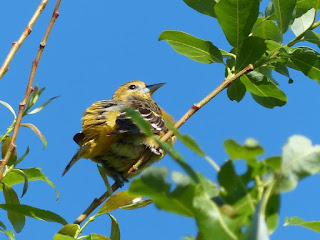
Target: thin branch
16, 45
29, 90
225, 83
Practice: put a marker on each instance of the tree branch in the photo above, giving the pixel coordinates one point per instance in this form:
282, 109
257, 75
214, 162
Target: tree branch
225, 83
16, 45
29, 90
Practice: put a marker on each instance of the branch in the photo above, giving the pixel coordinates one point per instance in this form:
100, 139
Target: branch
29, 90
225, 83
16, 45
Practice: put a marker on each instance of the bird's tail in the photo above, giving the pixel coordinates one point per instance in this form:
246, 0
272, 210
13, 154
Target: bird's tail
76, 157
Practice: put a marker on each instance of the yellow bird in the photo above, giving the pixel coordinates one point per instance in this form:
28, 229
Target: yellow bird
112, 139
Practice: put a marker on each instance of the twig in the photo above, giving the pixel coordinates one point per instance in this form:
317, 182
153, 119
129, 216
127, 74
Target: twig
225, 83
29, 90
16, 45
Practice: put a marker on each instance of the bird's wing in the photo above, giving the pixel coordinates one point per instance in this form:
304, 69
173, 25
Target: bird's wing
149, 110
99, 119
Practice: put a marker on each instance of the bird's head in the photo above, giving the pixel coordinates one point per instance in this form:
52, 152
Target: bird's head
135, 88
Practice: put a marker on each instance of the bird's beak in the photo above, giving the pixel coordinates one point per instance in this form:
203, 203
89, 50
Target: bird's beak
152, 88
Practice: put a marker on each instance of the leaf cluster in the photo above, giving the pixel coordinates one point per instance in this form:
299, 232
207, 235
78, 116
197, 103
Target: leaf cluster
256, 38
238, 206
13, 175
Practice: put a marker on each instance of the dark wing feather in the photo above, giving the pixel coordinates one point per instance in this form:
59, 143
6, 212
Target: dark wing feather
149, 110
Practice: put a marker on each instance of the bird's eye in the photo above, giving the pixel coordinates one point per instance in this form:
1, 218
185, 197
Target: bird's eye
132, 87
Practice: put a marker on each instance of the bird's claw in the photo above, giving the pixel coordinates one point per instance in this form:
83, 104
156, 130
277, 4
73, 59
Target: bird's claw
119, 179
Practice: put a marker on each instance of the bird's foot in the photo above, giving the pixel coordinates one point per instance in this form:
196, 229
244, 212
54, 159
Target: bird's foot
119, 179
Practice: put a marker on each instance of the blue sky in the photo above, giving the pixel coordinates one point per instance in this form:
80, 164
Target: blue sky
95, 47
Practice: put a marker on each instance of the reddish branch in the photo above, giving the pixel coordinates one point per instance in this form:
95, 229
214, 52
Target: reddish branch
225, 83
29, 90
16, 45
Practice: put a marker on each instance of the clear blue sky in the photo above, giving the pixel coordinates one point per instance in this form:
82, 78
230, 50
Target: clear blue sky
96, 46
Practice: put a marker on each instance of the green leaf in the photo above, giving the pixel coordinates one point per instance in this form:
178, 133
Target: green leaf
9, 107
209, 220
308, 61
313, 37
33, 212
5, 147
26, 182
115, 229
33, 98
248, 152
267, 71
236, 90
250, 51
269, 12
189, 237
195, 48
38, 109
263, 90
202, 6
266, 29
22, 157
153, 184
17, 220
295, 221
209, 188
103, 174
315, 4
304, 5
116, 201
268, 102
167, 147
70, 230
274, 46
304, 22
33, 174
258, 229
227, 55
237, 17
136, 117
93, 236
299, 159
281, 68
285, 14
274, 162
2, 225
36, 131
136, 204
186, 140
272, 213
234, 186
59, 236
9, 234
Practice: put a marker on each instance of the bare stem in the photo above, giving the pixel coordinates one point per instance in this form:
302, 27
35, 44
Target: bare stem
16, 45
225, 83
29, 90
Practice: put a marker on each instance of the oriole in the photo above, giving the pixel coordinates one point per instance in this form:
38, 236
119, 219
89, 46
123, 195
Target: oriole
112, 139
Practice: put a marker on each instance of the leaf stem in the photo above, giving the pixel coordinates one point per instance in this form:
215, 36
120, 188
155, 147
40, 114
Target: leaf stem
267, 196
16, 45
301, 35
9, 130
85, 224
195, 107
29, 89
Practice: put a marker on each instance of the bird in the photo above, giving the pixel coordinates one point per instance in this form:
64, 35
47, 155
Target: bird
110, 138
